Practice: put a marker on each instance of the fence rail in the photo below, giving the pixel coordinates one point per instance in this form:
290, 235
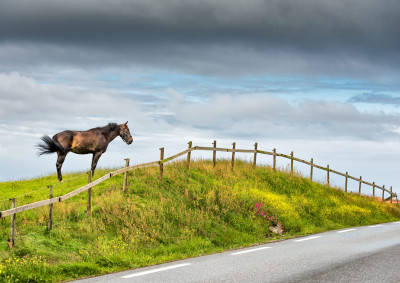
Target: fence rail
52, 200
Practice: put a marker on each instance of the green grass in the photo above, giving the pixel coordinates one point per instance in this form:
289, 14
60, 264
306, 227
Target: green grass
188, 213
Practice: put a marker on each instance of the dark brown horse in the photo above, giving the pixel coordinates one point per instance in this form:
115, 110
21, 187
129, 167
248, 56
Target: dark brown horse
93, 141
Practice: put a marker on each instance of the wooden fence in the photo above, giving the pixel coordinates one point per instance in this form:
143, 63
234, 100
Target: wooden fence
52, 200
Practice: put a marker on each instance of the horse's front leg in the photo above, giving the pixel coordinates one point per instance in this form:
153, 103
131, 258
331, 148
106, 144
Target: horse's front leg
60, 161
95, 159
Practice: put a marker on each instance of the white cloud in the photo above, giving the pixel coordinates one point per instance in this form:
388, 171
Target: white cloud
260, 115
26, 102
30, 108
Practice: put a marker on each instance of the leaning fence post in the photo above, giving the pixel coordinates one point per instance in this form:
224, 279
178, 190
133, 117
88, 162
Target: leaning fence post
274, 159
233, 154
188, 155
255, 155
89, 200
214, 153
345, 182
161, 164
327, 174
359, 186
12, 228
50, 222
311, 170
391, 195
125, 184
373, 189
383, 193
291, 162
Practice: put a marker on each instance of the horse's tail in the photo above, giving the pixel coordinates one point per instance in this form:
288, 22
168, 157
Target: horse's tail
49, 146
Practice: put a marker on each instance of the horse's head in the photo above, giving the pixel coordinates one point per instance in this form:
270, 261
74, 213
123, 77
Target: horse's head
125, 134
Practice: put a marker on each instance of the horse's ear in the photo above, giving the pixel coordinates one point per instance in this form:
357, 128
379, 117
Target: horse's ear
126, 123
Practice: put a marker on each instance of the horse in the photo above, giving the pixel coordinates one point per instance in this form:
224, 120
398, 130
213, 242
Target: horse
93, 141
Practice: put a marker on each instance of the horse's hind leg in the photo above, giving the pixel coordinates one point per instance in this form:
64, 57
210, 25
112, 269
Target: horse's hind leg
60, 161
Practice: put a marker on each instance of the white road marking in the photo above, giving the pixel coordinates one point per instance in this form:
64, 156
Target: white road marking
249, 251
156, 270
377, 225
345, 231
309, 238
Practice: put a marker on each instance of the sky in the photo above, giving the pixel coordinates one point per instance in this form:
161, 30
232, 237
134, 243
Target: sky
317, 77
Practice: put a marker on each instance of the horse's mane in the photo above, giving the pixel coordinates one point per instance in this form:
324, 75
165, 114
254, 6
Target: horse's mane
109, 128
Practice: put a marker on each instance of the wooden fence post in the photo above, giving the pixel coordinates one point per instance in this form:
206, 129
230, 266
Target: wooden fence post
12, 228
327, 174
391, 195
373, 189
233, 154
214, 153
255, 155
345, 182
50, 222
161, 164
274, 159
383, 193
188, 155
359, 186
291, 162
125, 184
311, 170
89, 200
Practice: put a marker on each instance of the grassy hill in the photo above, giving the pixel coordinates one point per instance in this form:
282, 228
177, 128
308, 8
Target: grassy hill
187, 213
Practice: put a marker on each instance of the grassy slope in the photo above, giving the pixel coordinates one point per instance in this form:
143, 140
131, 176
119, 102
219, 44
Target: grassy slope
188, 213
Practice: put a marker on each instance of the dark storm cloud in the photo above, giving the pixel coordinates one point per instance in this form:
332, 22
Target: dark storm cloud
332, 37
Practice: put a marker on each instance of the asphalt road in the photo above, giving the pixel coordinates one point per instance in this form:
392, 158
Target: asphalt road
360, 254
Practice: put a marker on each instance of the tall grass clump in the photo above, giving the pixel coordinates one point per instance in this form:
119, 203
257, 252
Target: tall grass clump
186, 213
